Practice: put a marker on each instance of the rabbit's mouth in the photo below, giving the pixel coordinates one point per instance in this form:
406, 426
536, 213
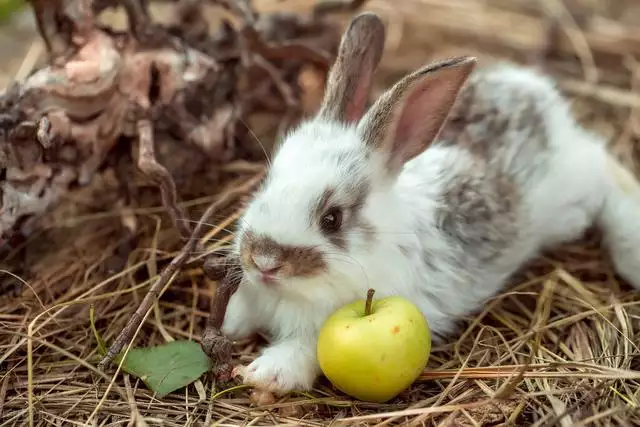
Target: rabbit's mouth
268, 279
263, 278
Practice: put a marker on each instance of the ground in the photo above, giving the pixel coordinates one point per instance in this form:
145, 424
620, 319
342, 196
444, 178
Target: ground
558, 347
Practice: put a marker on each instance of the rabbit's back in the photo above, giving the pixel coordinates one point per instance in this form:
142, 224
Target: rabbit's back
509, 119
495, 175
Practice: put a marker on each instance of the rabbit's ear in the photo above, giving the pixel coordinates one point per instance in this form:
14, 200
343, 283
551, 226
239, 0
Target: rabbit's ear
351, 75
406, 119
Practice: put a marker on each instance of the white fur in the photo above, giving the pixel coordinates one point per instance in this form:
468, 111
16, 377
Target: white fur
579, 184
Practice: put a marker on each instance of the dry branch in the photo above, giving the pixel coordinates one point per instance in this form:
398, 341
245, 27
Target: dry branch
62, 123
99, 85
167, 274
215, 345
256, 51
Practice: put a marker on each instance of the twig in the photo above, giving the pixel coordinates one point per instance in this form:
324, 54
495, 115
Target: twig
270, 50
160, 175
127, 333
47, 14
278, 81
83, 102
284, 50
214, 344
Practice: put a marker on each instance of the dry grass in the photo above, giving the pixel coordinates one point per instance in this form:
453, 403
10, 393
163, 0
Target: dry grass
559, 347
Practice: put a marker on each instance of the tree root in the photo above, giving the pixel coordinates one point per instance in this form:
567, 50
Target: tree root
59, 126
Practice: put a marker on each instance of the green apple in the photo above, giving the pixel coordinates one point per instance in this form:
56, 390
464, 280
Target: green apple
373, 350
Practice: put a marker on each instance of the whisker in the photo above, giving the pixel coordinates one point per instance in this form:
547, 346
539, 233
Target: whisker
214, 239
254, 136
195, 221
349, 259
205, 252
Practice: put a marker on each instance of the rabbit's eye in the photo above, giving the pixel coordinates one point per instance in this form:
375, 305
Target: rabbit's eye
331, 221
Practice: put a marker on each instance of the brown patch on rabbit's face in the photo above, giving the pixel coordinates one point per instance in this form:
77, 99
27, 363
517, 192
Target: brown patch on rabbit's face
291, 261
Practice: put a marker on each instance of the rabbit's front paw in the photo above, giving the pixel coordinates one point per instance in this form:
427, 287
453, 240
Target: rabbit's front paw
284, 367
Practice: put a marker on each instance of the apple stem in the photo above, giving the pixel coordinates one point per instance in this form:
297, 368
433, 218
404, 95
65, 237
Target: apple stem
367, 305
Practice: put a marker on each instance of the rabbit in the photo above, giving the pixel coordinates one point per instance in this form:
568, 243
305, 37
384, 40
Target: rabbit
439, 191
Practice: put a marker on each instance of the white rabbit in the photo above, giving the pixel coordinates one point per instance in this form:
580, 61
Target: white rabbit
444, 188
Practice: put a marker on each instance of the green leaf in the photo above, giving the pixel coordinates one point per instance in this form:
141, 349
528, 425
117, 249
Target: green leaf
164, 368
168, 367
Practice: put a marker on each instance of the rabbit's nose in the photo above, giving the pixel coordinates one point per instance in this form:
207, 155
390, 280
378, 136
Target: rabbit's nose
266, 264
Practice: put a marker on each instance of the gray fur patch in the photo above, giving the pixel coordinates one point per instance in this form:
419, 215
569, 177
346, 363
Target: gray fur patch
502, 126
499, 123
479, 215
427, 260
404, 250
